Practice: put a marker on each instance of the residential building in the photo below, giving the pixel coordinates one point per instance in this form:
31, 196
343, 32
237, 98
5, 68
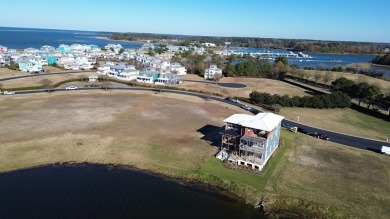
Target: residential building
177, 68
168, 79
250, 140
29, 66
128, 75
3, 48
209, 44
148, 76
210, 72
64, 48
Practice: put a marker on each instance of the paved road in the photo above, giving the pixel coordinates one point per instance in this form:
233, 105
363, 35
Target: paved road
352, 141
37, 75
229, 85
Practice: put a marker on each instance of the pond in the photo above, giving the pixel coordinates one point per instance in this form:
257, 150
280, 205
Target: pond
99, 191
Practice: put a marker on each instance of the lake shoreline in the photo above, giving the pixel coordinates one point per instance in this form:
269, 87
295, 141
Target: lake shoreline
187, 181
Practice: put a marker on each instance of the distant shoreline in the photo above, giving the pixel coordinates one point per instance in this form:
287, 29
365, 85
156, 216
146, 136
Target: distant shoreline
124, 41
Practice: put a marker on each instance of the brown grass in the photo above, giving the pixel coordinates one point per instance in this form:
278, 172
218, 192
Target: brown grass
334, 177
253, 84
35, 81
357, 78
142, 129
6, 72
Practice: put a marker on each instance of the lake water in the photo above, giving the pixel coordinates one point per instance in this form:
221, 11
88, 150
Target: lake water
98, 191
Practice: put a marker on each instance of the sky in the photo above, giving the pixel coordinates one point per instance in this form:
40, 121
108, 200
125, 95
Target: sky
339, 20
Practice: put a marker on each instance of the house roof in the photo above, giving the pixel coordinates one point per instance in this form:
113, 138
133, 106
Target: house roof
261, 121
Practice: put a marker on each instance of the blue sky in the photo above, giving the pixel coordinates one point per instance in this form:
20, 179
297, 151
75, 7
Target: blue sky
344, 20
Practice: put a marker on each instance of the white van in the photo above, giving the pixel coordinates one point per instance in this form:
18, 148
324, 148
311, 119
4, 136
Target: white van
385, 150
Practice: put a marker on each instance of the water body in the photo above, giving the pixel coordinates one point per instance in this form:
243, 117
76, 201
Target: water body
98, 191
22, 38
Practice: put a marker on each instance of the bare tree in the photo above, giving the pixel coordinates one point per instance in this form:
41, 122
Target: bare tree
217, 77
328, 77
47, 84
301, 73
318, 75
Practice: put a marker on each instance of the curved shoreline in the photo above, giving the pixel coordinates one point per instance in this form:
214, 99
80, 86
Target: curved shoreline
192, 181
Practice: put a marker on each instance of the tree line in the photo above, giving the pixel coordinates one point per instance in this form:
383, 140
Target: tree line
382, 60
362, 91
255, 42
333, 100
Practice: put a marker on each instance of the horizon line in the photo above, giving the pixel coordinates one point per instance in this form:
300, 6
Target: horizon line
346, 41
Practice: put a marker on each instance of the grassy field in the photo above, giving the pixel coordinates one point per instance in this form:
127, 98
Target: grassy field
163, 133
340, 120
35, 81
384, 85
6, 72
253, 84
324, 180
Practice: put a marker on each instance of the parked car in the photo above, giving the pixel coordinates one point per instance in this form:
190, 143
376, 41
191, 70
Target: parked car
8, 92
246, 107
287, 126
320, 136
71, 88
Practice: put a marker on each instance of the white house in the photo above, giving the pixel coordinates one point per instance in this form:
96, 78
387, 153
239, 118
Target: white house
3, 48
47, 48
209, 44
64, 59
148, 77
128, 75
177, 68
72, 66
31, 50
29, 66
252, 138
168, 79
210, 72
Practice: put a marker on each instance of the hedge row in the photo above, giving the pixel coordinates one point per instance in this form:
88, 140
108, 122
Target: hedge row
333, 100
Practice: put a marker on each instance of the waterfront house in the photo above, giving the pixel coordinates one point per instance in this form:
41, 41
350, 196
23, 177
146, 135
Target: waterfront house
3, 48
250, 140
148, 76
64, 48
47, 48
210, 72
30, 50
